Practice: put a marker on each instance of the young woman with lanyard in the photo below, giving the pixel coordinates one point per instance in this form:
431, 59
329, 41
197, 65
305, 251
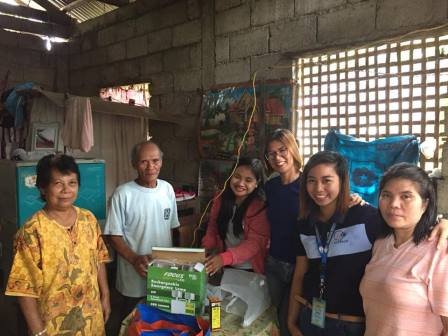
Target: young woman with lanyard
282, 195
334, 247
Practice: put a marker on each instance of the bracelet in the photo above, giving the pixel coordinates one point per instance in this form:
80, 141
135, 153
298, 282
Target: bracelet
41, 333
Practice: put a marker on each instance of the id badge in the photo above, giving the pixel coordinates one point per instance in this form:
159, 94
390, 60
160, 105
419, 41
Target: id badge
318, 312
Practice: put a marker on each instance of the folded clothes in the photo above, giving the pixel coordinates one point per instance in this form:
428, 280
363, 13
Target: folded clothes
182, 195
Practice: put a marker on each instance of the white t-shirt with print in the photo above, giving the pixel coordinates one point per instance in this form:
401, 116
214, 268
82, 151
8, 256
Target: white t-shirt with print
144, 218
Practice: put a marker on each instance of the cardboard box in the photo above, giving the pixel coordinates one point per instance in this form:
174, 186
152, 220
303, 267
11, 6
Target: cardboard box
178, 290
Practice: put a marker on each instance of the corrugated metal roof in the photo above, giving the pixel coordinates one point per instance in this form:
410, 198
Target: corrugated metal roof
86, 11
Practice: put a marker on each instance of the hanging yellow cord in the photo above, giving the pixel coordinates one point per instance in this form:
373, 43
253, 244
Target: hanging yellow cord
243, 139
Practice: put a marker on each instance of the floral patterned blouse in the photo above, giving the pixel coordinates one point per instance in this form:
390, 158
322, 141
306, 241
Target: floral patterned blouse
59, 267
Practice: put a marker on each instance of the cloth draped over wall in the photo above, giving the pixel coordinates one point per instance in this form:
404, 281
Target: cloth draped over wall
367, 161
123, 143
77, 132
114, 136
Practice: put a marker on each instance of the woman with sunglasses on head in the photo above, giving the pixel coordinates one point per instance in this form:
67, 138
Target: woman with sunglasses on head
282, 195
238, 228
405, 285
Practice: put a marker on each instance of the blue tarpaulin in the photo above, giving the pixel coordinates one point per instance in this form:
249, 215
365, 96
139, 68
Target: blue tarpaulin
367, 161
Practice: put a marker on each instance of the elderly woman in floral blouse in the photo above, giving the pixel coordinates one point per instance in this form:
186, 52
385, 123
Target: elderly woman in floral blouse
58, 273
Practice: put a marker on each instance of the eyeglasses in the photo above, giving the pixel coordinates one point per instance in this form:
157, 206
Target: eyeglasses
283, 152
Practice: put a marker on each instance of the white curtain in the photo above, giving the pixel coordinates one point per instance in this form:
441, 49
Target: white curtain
127, 132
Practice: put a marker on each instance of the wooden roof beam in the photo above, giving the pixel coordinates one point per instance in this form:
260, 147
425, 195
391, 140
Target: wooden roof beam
73, 5
118, 3
26, 12
78, 3
54, 13
47, 29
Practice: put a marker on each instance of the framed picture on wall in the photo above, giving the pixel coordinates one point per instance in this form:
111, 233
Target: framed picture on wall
44, 136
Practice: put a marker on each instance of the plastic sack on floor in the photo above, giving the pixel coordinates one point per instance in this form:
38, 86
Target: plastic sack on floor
249, 294
150, 321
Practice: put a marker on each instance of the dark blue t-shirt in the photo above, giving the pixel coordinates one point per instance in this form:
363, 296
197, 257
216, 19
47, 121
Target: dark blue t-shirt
349, 252
282, 211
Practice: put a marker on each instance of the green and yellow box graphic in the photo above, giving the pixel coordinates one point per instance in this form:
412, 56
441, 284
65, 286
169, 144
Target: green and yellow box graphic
177, 291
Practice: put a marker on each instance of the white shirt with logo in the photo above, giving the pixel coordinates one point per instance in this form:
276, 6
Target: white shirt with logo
144, 218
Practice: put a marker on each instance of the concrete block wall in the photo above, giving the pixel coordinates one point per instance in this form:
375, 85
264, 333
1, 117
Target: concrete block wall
162, 44
184, 47
28, 60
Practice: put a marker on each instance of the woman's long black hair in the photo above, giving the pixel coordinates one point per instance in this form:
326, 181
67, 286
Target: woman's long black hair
228, 200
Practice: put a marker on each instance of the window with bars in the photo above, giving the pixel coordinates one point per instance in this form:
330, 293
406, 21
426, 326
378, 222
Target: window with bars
392, 88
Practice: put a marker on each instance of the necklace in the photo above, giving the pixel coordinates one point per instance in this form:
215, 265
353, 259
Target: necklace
67, 220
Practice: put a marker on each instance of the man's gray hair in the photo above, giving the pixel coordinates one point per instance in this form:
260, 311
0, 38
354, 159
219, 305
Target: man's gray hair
136, 150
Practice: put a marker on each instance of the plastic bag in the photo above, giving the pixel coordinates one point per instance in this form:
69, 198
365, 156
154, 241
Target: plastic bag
249, 291
150, 321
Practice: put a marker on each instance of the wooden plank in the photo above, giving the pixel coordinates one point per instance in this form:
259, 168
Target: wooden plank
338, 93
377, 103
26, 12
54, 13
411, 83
47, 29
118, 3
387, 88
301, 117
327, 83
437, 106
424, 121
358, 98
74, 5
345, 79
102, 106
106, 107
319, 118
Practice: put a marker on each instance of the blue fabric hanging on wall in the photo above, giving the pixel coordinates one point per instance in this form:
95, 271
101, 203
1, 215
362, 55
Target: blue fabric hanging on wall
15, 103
367, 161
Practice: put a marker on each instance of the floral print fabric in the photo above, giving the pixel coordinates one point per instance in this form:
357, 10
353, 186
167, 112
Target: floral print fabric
59, 267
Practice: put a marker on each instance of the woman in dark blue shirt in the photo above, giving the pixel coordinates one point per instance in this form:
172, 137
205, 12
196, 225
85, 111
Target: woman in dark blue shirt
282, 195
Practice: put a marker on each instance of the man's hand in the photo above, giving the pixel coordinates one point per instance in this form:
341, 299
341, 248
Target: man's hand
140, 263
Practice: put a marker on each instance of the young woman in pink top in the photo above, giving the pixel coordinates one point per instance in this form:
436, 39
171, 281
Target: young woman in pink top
238, 229
405, 286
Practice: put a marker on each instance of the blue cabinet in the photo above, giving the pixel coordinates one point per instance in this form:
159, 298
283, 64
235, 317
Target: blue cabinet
22, 192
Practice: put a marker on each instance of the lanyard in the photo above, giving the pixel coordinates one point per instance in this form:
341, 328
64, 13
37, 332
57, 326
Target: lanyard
323, 252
